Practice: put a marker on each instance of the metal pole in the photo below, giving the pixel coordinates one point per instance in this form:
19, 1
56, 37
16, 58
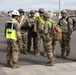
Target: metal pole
59, 8
65, 4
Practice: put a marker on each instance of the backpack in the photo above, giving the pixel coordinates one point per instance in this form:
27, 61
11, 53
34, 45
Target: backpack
56, 32
74, 22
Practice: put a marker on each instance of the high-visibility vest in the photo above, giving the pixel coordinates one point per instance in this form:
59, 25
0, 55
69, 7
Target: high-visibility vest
50, 24
11, 32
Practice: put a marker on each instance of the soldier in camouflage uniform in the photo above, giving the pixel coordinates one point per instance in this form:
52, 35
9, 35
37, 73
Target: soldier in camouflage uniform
66, 32
40, 24
12, 45
47, 40
22, 20
31, 32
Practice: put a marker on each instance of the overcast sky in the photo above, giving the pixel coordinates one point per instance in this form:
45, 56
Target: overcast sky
51, 5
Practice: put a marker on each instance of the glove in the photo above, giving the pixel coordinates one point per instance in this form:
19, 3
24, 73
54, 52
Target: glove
19, 43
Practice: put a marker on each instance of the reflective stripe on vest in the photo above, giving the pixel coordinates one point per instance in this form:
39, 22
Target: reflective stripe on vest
42, 21
11, 21
50, 24
10, 32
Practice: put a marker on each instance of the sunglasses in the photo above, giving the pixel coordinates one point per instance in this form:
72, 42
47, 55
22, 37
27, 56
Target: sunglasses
41, 12
32, 13
63, 13
21, 12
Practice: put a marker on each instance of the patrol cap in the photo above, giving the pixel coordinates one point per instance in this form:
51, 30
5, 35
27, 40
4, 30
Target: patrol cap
15, 12
32, 12
46, 14
21, 10
64, 11
41, 10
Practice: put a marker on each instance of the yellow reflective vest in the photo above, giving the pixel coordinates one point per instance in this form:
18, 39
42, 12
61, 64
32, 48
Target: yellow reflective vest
11, 32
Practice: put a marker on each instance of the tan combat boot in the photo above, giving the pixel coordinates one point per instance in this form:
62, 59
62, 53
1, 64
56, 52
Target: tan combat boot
28, 51
62, 55
50, 63
8, 64
45, 54
67, 56
15, 65
37, 53
19, 52
25, 52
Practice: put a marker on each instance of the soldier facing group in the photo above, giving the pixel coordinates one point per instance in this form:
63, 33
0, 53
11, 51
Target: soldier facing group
38, 28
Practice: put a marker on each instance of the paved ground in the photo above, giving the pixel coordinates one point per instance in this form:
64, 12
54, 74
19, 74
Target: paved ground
58, 69
31, 65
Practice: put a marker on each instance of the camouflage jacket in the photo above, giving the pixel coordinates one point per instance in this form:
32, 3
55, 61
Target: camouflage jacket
42, 28
65, 25
38, 26
23, 19
32, 22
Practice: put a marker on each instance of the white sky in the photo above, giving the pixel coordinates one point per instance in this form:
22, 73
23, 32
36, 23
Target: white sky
51, 5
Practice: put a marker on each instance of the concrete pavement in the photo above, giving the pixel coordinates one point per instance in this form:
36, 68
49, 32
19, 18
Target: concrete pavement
58, 69
31, 65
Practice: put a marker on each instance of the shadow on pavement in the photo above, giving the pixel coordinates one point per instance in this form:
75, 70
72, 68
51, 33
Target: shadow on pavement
69, 59
32, 61
2, 64
3, 42
3, 49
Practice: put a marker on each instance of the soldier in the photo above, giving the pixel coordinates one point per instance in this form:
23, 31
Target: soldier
13, 36
66, 25
39, 22
24, 31
31, 32
44, 32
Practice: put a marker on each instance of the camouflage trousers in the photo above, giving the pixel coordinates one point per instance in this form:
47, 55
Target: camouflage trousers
32, 35
47, 44
24, 40
65, 43
12, 51
53, 48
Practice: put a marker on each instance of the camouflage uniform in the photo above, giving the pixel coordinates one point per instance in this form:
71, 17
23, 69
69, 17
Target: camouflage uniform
12, 46
12, 50
38, 39
53, 48
43, 32
24, 19
38, 23
31, 32
66, 32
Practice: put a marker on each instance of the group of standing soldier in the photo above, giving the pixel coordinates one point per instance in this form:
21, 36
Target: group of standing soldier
37, 28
